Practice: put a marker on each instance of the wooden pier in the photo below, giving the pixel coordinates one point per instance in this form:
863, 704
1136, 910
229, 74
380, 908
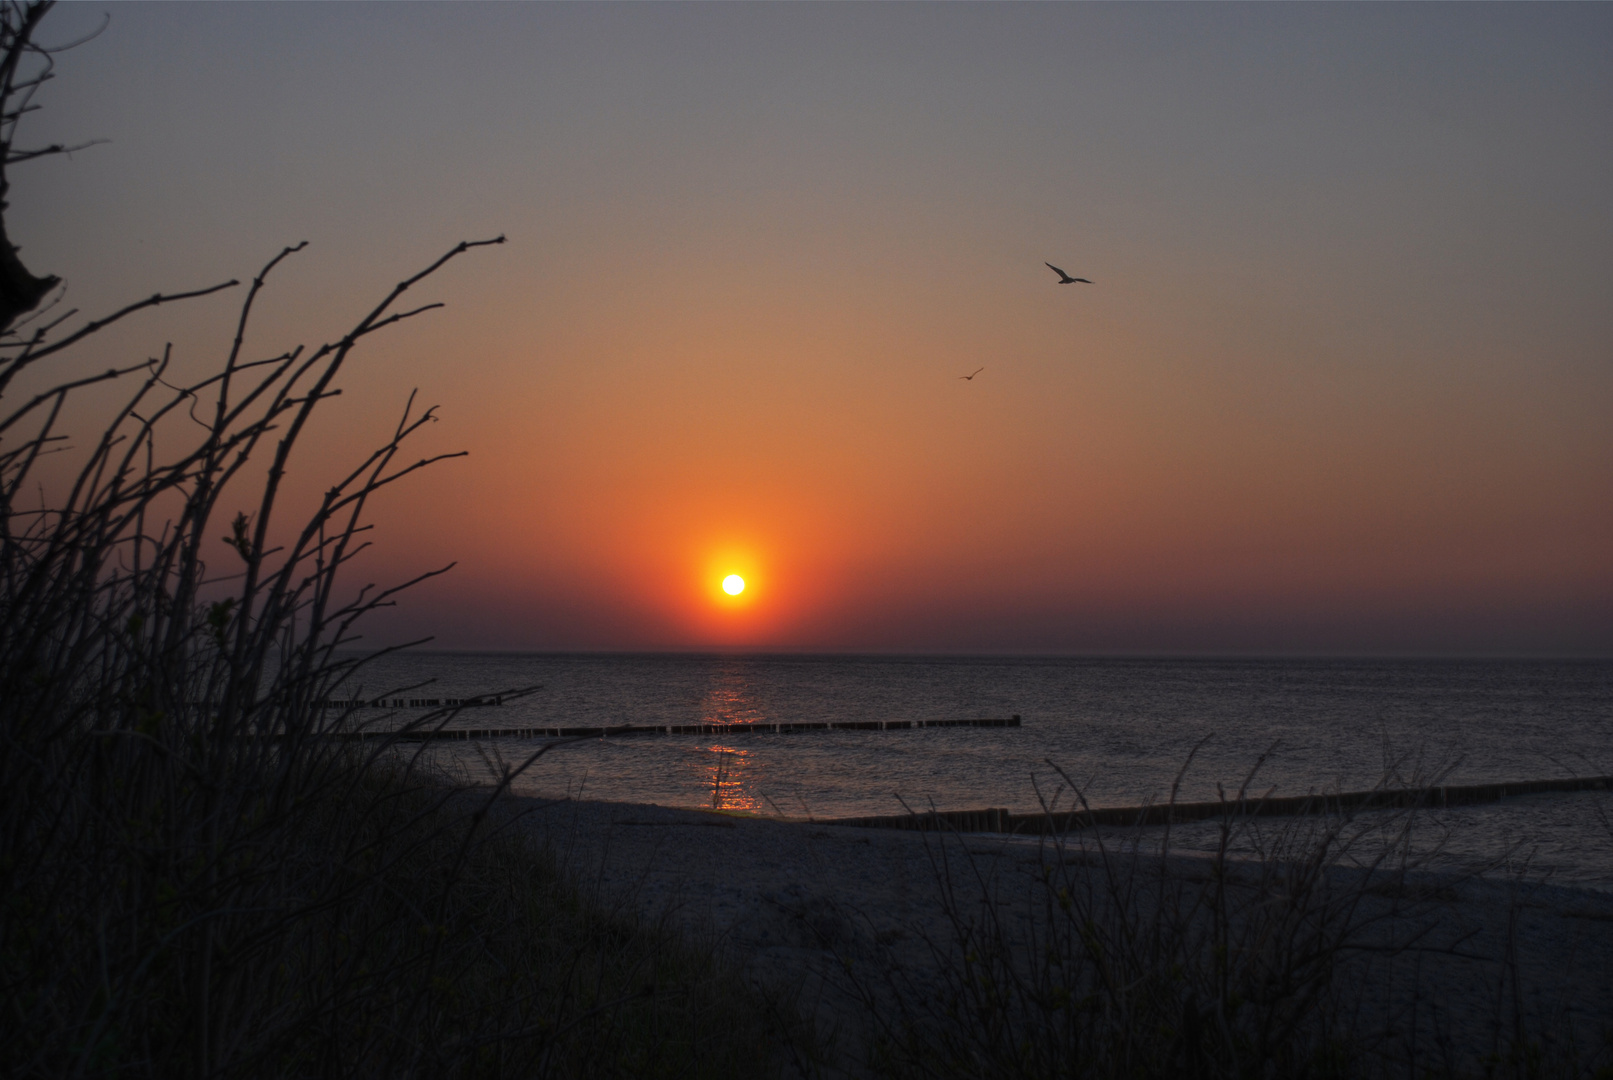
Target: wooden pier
410, 703
620, 730
997, 820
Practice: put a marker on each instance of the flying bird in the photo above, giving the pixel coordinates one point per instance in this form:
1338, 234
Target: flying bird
973, 373
1066, 279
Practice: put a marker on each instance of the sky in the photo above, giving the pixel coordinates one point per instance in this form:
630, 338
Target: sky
1342, 382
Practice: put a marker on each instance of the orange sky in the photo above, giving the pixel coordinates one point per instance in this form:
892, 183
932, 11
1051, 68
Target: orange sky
1342, 382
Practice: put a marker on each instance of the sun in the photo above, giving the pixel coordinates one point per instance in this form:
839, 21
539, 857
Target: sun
729, 578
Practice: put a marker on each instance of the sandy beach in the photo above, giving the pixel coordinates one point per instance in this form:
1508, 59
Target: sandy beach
800, 904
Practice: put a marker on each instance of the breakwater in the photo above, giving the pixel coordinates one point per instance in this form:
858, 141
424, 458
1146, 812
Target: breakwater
620, 730
410, 703
998, 820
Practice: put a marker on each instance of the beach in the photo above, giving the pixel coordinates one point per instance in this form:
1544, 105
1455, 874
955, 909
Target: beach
844, 918
812, 737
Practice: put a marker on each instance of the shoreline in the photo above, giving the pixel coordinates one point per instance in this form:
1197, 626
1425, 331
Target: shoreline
795, 902
1449, 818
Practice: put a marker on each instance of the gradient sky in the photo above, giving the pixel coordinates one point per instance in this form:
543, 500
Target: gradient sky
1344, 381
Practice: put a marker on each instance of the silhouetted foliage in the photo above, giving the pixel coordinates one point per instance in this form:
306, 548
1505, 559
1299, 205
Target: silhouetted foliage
194, 878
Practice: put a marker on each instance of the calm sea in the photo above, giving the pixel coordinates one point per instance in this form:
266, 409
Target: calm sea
1120, 730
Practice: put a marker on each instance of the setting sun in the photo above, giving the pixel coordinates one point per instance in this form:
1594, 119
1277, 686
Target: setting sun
733, 584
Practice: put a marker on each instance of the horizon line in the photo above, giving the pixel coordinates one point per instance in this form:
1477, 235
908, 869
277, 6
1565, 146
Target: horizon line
1187, 655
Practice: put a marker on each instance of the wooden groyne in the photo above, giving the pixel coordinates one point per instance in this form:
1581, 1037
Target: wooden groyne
409, 703
998, 820
620, 730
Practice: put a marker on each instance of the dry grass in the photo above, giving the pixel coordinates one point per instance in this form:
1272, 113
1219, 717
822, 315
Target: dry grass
379, 927
194, 878
1301, 950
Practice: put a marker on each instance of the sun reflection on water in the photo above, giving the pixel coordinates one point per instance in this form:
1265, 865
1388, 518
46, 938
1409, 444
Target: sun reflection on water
729, 699
730, 773
730, 777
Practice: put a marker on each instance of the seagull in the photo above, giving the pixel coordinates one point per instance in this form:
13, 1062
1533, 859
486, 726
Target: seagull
972, 374
1066, 279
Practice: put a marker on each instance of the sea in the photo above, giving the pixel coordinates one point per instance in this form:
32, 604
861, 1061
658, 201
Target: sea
1114, 732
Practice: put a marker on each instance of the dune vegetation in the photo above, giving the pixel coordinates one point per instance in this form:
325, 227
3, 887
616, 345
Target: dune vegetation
195, 879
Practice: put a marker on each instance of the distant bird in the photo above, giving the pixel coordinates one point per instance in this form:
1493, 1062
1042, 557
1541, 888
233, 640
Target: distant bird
1066, 279
972, 374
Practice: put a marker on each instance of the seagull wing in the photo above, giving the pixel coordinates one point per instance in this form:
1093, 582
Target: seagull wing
973, 373
1063, 277
1082, 280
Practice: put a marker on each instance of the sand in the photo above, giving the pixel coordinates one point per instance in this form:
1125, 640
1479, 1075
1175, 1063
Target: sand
795, 902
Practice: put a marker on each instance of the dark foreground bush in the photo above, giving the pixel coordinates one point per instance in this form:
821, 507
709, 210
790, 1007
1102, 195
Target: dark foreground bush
368, 930
196, 876
374, 928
